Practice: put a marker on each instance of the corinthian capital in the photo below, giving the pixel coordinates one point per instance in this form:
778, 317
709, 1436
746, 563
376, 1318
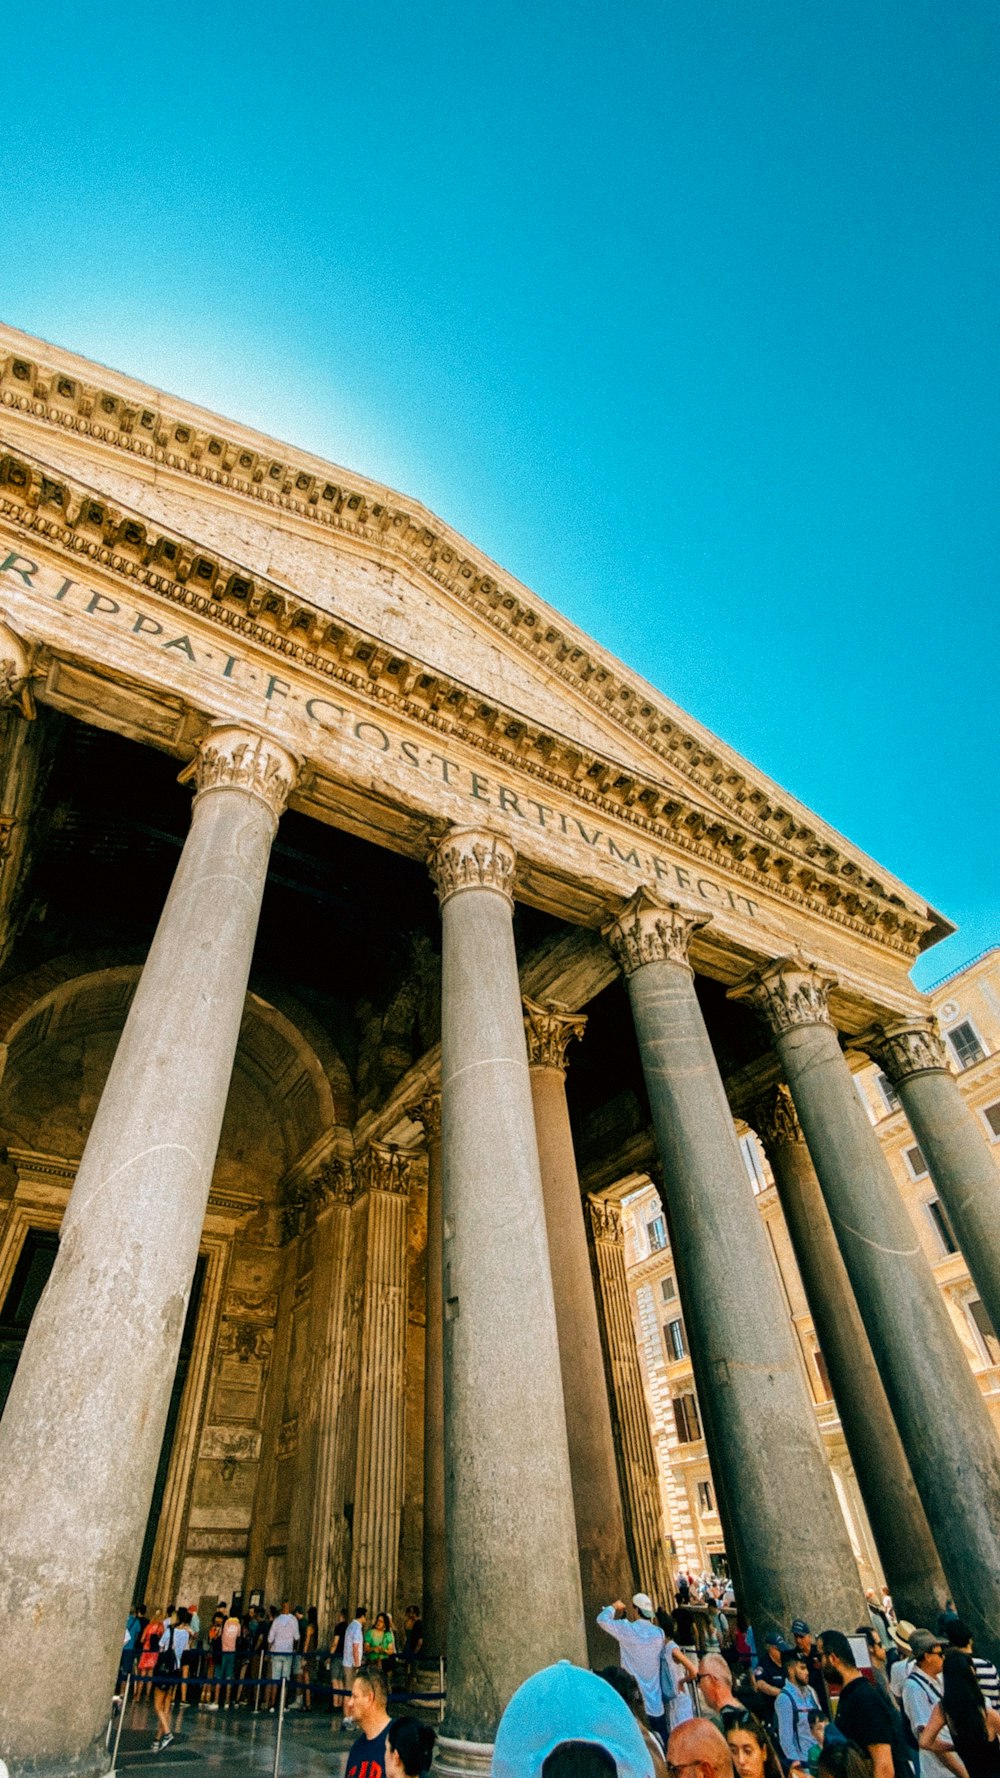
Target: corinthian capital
473, 858
907, 1046
605, 1220
235, 758
648, 930
787, 993
381, 1169
15, 673
427, 1111
550, 1030
775, 1118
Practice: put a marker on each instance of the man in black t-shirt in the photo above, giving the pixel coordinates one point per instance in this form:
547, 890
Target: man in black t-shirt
368, 1708
864, 1714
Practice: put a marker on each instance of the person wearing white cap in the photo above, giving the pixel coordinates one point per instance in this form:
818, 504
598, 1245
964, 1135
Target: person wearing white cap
641, 1642
565, 1720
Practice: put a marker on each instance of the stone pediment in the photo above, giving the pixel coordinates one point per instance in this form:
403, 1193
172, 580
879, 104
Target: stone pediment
337, 569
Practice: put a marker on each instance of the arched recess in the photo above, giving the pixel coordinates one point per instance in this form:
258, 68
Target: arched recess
59, 1028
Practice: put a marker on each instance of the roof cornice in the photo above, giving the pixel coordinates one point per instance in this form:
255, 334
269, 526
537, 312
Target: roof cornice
72, 395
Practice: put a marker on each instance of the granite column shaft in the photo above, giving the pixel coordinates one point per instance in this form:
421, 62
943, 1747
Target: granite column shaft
605, 1570
942, 1419
514, 1579
435, 1552
897, 1518
913, 1056
638, 1480
748, 1371
80, 1438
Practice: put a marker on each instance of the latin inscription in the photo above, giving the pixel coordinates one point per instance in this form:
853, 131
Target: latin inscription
482, 791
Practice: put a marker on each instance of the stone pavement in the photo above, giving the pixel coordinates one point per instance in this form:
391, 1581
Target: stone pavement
227, 1743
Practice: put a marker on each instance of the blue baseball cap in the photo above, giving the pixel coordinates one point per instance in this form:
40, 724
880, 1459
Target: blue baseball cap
566, 1703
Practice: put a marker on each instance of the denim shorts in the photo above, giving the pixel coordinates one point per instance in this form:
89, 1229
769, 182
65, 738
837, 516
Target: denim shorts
281, 1666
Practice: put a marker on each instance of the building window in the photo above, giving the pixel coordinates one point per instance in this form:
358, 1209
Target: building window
750, 1149
942, 1226
673, 1333
965, 1043
983, 1326
657, 1233
686, 1419
888, 1092
706, 1499
668, 1288
915, 1161
992, 1115
823, 1374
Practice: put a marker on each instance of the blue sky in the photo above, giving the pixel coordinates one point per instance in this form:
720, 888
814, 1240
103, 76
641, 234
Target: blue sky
687, 313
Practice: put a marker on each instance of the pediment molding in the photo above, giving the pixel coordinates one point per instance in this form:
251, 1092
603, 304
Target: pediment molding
68, 515
70, 394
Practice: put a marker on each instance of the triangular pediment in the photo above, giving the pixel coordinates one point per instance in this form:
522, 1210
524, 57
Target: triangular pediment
334, 558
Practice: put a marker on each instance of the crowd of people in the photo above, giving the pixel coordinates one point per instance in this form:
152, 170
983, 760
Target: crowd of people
887, 1700
691, 1694
243, 1659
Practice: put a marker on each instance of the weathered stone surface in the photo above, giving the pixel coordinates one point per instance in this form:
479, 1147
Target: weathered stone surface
605, 1570
511, 1532
957, 1472
899, 1523
746, 1366
80, 1438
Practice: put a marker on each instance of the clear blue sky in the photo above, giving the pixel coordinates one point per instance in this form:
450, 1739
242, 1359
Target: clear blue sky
686, 312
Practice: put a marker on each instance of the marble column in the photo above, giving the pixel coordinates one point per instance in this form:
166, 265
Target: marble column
605, 1570
329, 1330
912, 1054
514, 1601
943, 1421
383, 1200
639, 1484
758, 1418
80, 1438
435, 1565
898, 1521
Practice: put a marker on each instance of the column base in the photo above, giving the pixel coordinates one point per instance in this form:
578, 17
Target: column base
462, 1759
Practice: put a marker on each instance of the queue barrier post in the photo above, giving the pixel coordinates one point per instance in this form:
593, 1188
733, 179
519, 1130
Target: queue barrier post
121, 1719
281, 1722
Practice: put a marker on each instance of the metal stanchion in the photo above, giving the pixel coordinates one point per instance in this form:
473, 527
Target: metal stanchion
121, 1719
281, 1718
260, 1675
441, 1688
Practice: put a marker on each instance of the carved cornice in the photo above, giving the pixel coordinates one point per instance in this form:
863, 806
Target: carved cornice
787, 993
427, 1111
648, 930
911, 1046
775, 1119
756, 839
605, 1221
235, 758
473, 858
550, 1030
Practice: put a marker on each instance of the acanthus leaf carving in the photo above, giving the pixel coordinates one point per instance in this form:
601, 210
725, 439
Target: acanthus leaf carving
775, 1118
605, 1220
907, 1047
787, 993
648, 930
232, 757
550, 1030
473, 858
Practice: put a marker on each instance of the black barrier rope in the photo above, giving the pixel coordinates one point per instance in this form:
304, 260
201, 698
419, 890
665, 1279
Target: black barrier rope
163, 1681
